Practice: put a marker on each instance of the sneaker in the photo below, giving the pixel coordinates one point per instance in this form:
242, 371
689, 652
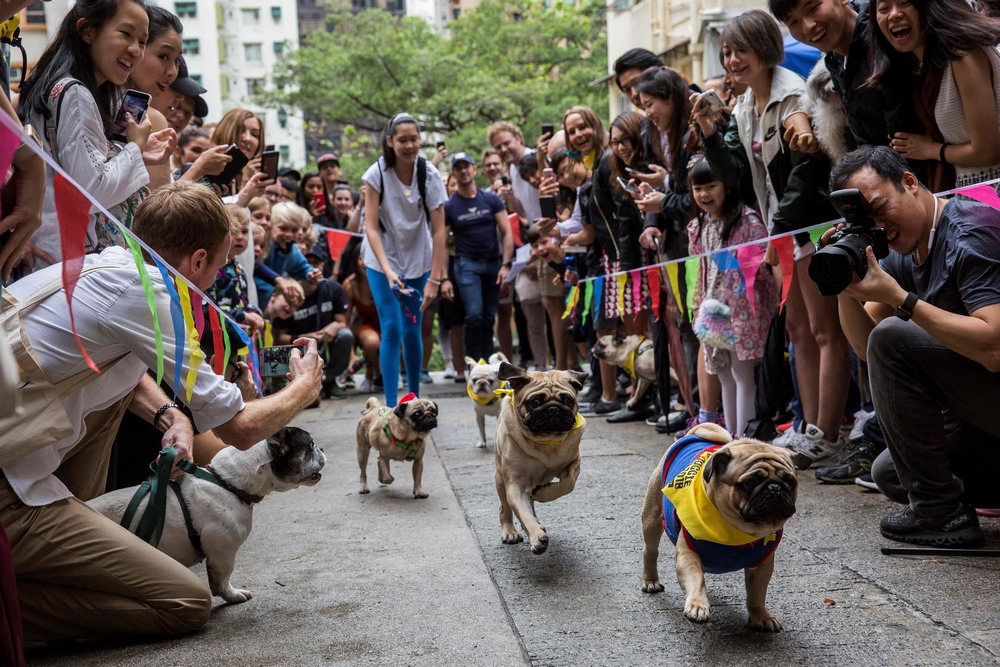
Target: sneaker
689, 424
675, 421
788, 437
959, 528
866, 481
459, 379
449, 371
377, 383
813, 446
602, 407
345, 380
656, 420
366, 387
425, 377
591, 395
855, 460
861, 417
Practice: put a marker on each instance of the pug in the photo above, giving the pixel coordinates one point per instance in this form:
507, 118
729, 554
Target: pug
222, 514
538, 440
729, 499
482, 385
634, 355
397, 434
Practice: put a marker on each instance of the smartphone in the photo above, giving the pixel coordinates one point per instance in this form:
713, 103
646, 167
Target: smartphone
135, 102
630, 187
548, 128
548, 206
269, 164
712, 98
239, 160
274, 360
548, 173
269, 147
505, 180
320, 201
440, 145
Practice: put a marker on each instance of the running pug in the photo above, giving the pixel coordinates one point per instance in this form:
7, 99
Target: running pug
634, 355
397, 434
482, 386
728, 500
538, 440
222, 515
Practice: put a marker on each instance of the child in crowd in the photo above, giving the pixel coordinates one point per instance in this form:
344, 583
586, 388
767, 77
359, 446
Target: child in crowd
229, 290
260, 213
284, 257
732, 328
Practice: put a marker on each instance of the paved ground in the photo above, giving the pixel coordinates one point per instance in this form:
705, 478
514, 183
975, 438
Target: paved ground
384, 579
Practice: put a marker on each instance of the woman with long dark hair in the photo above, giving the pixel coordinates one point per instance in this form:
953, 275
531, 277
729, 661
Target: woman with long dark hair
71, 98
952, 49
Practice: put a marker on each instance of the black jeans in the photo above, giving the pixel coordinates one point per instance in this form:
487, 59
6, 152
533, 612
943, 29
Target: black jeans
938, 412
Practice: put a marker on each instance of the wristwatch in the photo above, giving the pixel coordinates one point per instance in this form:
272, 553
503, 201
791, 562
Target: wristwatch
905, 310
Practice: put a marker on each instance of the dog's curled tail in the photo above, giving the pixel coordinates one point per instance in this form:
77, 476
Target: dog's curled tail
371, 404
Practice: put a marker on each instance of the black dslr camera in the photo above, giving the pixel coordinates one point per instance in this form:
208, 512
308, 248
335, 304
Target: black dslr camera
834, 266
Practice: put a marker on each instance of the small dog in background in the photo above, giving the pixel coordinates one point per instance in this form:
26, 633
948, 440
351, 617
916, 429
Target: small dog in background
222, 516
634, 355
397, 434
723, 503
482, 385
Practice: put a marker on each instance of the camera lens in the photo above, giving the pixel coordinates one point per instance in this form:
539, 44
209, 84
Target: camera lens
833, 267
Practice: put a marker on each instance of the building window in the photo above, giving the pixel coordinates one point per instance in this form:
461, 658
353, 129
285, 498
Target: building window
224, 86
34, 14
455, 13
276, 12
255, 87
196, 78
252, 53
188, 9
279, 48
223, 51
192, 46
284, 151
250, 16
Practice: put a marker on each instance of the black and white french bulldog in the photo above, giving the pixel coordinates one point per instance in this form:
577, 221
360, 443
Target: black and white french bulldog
482, 385
222, 517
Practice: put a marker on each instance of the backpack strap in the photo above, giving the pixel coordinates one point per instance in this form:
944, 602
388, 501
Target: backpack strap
422, 186
53, 109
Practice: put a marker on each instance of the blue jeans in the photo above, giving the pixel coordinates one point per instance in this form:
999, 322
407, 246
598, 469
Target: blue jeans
399, 317
476, 280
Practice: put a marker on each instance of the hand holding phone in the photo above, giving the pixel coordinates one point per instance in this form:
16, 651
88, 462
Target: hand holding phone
135, 102
274, 360
549, 129
548, 206
712, 102
319, 203
628, 187
269, 164
237, 162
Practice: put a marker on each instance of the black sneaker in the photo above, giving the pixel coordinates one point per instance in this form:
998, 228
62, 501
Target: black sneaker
855, 461
602, 407
957, 529
676, 421
592, 395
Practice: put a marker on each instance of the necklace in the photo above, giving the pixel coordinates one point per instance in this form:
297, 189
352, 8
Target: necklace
930, 237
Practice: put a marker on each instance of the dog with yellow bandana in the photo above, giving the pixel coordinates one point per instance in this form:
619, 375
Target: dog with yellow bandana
397, 434
482, 387
723, 503
537, 442
634, 355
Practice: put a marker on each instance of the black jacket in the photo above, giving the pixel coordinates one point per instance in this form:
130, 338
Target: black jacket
676, 207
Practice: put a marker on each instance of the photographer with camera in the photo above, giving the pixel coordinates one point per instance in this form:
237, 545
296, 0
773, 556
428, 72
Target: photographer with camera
927, 320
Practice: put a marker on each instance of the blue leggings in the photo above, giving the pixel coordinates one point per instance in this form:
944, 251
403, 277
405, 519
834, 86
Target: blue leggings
399, 317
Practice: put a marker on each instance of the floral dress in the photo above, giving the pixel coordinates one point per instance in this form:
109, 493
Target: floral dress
749, 324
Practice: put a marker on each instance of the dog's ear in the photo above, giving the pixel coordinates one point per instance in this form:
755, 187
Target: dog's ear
276, 444
514, 375
400, 410
469, 363
434, 406
577, 378
620, 337
498, 357
717, 463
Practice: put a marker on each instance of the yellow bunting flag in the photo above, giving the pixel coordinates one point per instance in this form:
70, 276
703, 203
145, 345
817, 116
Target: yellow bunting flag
571, 300
195, 355
622, 278
673, 271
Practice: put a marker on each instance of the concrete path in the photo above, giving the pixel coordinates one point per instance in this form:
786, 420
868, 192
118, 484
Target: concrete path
384, 579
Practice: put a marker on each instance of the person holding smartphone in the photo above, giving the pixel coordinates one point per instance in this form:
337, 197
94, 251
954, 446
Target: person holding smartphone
71, 98
404, 247
243, 129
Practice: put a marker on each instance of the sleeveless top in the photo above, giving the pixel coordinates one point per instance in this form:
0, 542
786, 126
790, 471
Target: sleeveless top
951, 119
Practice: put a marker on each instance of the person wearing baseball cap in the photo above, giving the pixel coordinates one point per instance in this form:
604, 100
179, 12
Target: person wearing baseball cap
462, 157
329, 170
189, 102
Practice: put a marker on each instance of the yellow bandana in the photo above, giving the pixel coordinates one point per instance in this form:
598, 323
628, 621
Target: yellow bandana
629, 365
486, 401
579, 423
700, 518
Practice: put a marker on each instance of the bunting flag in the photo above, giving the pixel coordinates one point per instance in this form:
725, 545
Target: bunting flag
598, 294
749, 258
227, 351
673, 277
177, 318
725, 260
73, 211
637, 304
588, 294
818, 232
268, 334
253, 357
571, 300
147, 288
336, 241
786, 257
515, 228
198, 310
621, 279
982, 193
692, 268
653, 277
195, 355
218, 365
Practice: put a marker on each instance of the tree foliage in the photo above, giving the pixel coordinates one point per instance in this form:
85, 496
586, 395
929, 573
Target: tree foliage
509, 60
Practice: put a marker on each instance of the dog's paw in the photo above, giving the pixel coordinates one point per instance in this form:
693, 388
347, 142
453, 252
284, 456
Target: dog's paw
388, 479
538, 547
510, 536
764, 621
481, 445
696, 611
364, 489
652, 586
420, 494
236, 595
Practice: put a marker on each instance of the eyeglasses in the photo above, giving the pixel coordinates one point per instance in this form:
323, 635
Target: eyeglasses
625, 141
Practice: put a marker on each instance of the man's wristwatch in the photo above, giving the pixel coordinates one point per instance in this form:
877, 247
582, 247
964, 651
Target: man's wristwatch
905, 310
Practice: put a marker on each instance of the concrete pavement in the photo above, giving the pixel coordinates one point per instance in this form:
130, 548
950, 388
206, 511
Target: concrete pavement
340, 578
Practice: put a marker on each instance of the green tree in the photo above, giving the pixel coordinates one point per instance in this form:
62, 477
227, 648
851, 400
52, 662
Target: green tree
509, 60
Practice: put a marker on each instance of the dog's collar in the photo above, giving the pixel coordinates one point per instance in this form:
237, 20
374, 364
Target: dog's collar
497, 393
579, 423
411, 447
629, 365
209, 474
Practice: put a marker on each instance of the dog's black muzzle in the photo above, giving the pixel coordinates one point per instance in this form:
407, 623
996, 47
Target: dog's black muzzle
772, 502
427, 422
551, 419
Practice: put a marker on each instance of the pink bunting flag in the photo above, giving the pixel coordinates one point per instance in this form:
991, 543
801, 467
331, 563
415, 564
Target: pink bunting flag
73, 211
786, 258
749, 258
199, 313
653, 277
984, 194
636, 276
218, 358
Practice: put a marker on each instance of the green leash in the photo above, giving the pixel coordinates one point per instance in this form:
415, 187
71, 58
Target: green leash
150, 527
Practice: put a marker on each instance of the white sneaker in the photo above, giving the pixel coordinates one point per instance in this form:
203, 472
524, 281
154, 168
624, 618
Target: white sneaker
449, 371
814, 445
860, 419
787, 439
366, 387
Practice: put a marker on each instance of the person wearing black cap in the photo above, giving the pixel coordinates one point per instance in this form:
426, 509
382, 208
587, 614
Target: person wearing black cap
481, 262
189, 101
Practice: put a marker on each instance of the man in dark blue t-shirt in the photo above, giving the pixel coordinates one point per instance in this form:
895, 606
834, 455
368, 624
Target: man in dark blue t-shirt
482, 260
927, 319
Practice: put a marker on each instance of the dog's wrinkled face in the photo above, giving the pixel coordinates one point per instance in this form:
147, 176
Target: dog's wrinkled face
296, 460
545, 402
615, 347
753, 485
483, 378
420, 414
